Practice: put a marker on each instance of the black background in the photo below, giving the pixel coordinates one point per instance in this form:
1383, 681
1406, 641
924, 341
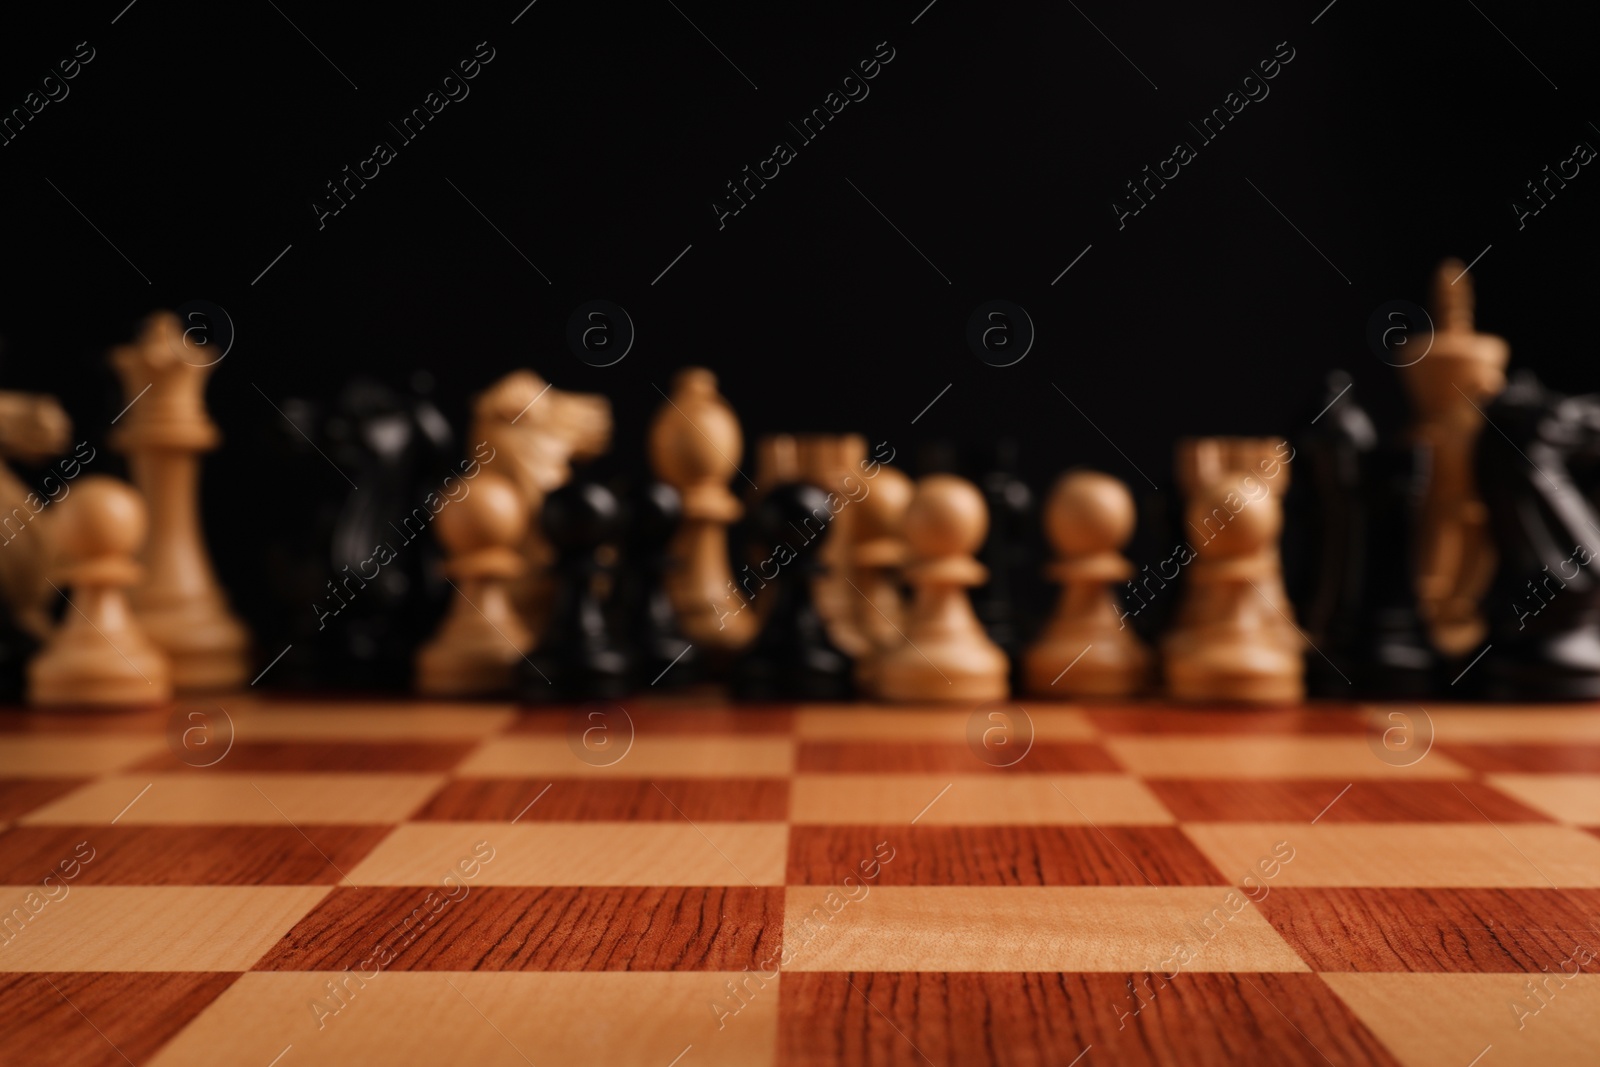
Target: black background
596, 140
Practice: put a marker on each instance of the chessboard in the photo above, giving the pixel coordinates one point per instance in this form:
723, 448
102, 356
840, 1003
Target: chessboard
681, 883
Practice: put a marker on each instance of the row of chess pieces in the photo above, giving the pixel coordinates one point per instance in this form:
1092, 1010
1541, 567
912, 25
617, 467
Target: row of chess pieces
858, 579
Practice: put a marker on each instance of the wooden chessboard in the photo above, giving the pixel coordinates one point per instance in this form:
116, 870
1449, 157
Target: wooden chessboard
867, 879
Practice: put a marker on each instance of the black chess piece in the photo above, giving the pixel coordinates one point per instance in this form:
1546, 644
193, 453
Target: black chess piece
359, 578
1390, 655
662, 657
1543, 605
1324, 541
578, 659
792, 658
1010, 505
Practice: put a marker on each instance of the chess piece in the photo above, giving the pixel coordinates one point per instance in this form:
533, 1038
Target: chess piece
1540, 490
1461, 370
32, 428
833, 463
534, 434
1010, 504
793, 657
1326, 526
1386, 643
100, 654
163, 432
946, 656
375, 574
1232, 649
878, 554
695, 443
1086, 650
1257, 467
662, 657
578, 659
482, 638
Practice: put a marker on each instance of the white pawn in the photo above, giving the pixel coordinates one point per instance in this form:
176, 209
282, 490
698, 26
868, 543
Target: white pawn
100, 654
946, 656
482, 638
1086, 650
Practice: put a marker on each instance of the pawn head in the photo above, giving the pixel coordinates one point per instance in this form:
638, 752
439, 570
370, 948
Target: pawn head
493, 514
1089, 513
947, 517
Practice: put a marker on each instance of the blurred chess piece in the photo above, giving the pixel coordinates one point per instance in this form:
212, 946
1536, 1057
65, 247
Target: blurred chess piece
833, 463
1449, 385
534, 433
482, 640
878, 554
946, 657
794, 656
663, 659
1086, 650
1540, 488
695, 444
579, 657
1327, 520
32, 428
163, 433
100, 654
1256, 468
1233, 650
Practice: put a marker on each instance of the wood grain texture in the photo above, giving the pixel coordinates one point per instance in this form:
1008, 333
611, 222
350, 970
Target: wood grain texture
975, 799
1429, 1019
622, 799
925, 757
190, 855
18, 796
189, 799
320, 757
1466, 855
1218, 756
1434, 930
1001, 855
572, 928
158, 928
1209, 800
866, 1019
1304, 721
1541, 759
1032, 928
98, 1019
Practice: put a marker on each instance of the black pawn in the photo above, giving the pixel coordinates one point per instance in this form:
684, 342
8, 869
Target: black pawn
662, 656
792, 658
577, 659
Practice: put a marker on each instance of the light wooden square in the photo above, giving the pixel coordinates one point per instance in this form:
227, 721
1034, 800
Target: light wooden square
648, 756
199, 798
1465, 855
584, 853
68, 755
615, 1018
975, 800
1066, 928
1208, 756
155, 928
1460, 1019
